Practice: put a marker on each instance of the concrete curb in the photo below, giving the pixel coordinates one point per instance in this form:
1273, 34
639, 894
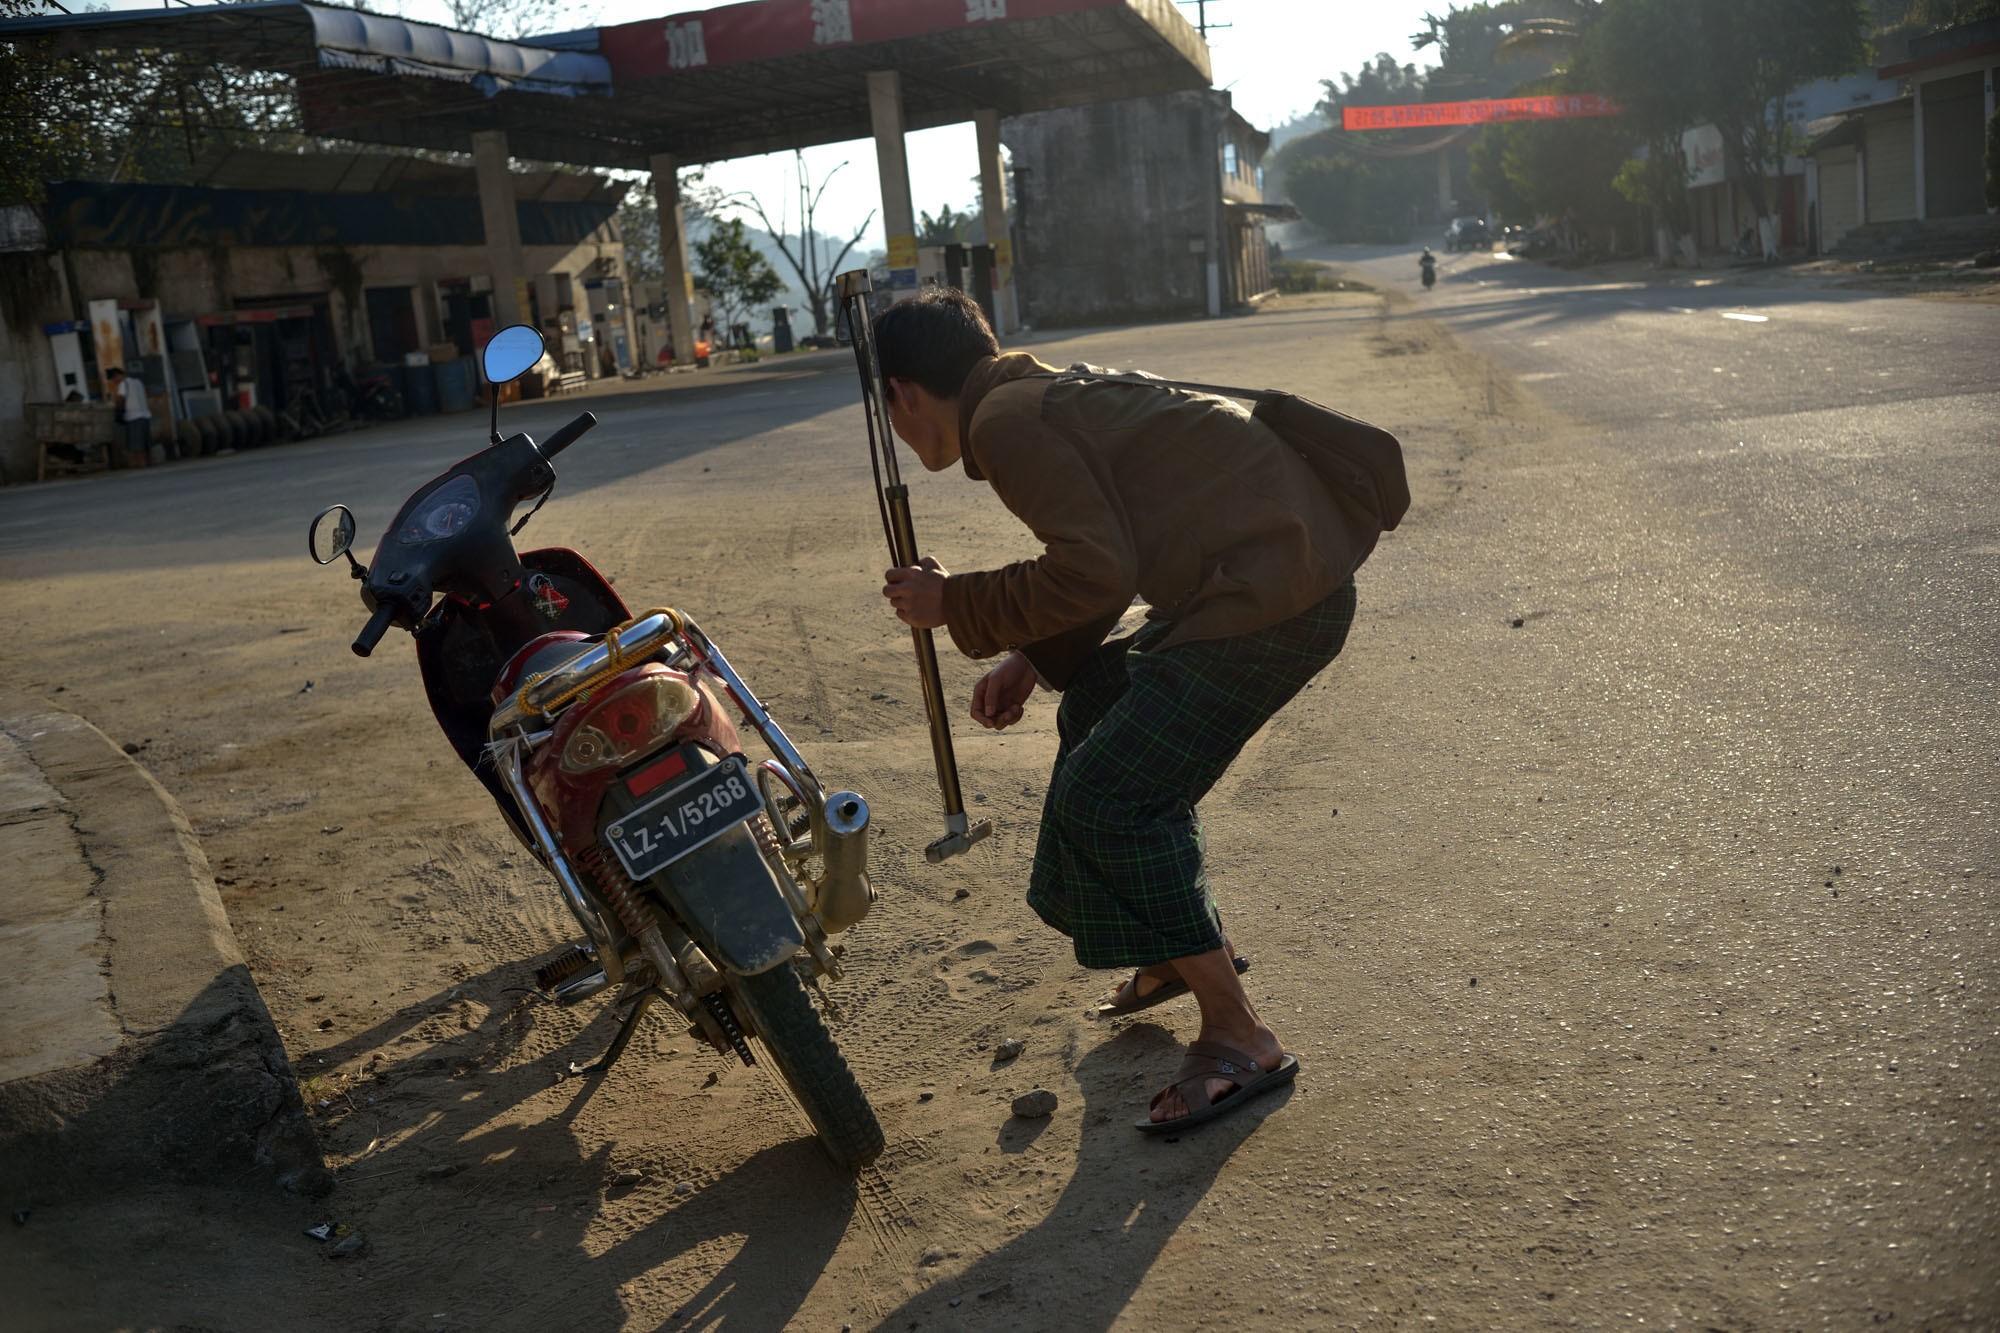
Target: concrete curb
156, 1056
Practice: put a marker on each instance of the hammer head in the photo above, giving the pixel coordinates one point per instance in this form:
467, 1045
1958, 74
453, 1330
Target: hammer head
951, 844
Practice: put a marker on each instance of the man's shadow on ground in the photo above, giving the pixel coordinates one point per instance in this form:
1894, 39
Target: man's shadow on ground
1078, 1268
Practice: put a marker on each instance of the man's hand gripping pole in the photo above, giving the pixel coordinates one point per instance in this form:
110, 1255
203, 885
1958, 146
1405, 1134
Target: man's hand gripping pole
893, 498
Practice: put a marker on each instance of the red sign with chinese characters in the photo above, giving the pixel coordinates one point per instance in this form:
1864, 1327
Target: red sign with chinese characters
768, 29
1422, 115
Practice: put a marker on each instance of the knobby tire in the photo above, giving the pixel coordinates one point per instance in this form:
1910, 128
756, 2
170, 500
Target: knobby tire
811, 1065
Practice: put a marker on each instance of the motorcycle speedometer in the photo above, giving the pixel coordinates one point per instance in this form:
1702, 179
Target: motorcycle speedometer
445, 512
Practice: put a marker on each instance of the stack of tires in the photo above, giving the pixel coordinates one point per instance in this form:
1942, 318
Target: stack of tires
228, 431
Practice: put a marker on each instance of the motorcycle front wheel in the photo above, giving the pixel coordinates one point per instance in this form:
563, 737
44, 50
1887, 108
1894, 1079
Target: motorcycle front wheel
813, 1068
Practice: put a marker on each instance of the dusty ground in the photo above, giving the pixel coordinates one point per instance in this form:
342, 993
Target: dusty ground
1630, 913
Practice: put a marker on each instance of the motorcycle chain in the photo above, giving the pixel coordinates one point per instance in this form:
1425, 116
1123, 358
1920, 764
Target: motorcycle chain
725, 1018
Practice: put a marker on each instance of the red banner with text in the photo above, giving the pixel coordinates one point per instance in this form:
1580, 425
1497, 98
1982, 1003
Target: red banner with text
1424, 115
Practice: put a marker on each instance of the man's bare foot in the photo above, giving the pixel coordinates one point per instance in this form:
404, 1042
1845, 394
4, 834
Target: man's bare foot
1226, 1018
1141, 984
1149, 979
1259, 1043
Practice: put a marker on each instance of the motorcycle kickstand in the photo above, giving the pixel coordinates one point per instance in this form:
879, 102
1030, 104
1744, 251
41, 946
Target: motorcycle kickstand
602, 1064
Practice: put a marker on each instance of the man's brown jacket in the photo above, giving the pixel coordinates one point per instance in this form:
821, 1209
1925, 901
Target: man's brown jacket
1182, 499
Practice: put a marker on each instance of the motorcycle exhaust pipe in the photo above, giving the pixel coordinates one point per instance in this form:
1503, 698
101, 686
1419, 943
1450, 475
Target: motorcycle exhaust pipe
843, 894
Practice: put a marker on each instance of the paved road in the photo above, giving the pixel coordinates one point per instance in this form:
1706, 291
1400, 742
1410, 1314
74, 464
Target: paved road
255, 505
1842, 440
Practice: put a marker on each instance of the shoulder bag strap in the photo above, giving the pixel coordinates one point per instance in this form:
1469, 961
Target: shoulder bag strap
1192, 386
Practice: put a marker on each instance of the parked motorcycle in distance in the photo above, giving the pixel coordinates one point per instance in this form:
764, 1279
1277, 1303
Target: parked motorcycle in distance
372, 393
700, 877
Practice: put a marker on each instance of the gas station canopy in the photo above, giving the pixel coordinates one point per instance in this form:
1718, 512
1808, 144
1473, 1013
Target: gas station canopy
702, 86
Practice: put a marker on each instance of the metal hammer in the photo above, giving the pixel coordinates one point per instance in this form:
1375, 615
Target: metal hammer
894, 500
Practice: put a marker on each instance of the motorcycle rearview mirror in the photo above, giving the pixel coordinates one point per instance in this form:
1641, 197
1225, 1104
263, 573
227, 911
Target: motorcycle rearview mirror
508, 355
332, 536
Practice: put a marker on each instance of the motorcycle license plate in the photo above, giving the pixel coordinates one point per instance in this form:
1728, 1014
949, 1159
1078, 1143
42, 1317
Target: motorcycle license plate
668, 827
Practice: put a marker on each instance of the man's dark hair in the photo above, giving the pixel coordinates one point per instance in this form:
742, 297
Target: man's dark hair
114, 374
934, 340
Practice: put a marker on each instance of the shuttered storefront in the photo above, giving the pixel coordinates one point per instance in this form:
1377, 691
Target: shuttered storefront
1891, 163
1954, 146
1839, 208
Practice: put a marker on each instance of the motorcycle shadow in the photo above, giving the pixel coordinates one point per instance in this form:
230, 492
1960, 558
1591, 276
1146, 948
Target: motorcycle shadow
582, 1201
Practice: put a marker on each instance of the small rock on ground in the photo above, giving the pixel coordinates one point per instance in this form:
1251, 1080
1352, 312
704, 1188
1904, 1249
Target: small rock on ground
1035, 1105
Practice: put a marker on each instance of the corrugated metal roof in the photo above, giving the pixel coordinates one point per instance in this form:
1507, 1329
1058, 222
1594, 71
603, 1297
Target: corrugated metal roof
799, 76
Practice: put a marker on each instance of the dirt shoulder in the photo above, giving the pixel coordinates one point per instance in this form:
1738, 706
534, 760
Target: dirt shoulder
1573, 1049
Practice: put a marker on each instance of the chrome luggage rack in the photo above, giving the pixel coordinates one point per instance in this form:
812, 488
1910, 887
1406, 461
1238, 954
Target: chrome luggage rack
838, 823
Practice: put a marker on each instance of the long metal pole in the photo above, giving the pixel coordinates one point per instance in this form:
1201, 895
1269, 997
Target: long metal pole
959, 833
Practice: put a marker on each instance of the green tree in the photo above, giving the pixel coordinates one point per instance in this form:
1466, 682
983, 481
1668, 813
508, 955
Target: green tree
1486, 162
1934, 14
72, 113
1645, 51
818, 257
639, 219
736, 277
1490, 50
948, 226
1750, 56
1564, 169
1363, 186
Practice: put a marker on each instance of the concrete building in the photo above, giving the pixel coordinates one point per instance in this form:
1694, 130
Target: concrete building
1139, 209
1720, 203
1907, 171
223, 297
670, 92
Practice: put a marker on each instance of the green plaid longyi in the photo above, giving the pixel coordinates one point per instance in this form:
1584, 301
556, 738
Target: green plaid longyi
1144, 735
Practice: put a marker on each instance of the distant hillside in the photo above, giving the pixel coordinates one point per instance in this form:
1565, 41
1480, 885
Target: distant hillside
1310, 123
1298, 127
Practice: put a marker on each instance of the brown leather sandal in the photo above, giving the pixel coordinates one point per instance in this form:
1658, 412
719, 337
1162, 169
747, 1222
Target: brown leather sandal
1211, 1059
1171, 989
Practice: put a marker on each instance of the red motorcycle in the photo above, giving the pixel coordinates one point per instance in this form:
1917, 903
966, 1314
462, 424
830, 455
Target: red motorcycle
699, 877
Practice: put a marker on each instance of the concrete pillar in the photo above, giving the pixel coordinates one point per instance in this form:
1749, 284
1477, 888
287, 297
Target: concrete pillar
1918, 100
503, 227
1444, 184
993, 210
899, 217
677, 282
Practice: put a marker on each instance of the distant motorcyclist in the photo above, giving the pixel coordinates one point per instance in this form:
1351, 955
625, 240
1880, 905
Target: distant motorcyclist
1428, 262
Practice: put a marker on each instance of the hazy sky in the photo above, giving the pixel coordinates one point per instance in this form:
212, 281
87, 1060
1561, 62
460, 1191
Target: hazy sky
1271, 60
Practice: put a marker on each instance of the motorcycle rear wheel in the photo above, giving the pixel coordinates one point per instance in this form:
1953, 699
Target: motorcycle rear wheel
813, 1068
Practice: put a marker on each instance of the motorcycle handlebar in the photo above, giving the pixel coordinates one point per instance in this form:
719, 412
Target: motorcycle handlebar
568, 435
371, 633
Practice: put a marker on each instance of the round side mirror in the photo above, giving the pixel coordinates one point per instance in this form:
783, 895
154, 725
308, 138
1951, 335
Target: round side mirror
510, 352
331, 535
